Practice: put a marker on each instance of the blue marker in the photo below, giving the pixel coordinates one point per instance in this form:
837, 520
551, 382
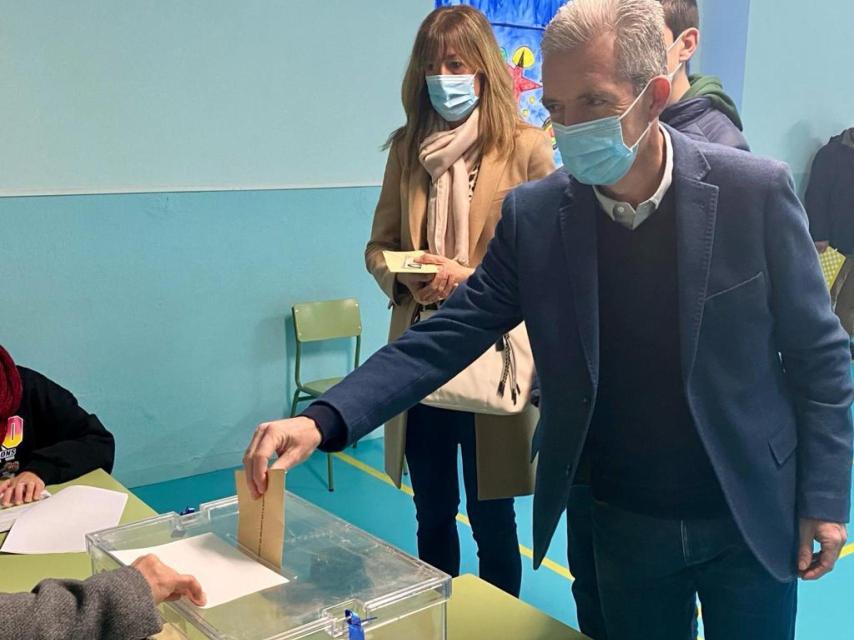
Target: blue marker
354, 625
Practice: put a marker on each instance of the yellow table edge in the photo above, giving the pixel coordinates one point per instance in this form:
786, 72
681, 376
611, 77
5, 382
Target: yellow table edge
479, 610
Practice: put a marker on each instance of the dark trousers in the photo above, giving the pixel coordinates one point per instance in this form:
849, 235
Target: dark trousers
651, 570
582, 563
433, 439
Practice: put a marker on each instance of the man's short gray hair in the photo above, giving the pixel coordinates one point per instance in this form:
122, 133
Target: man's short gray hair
637, 25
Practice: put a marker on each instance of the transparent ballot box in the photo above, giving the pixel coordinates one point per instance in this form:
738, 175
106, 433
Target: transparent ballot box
331, 567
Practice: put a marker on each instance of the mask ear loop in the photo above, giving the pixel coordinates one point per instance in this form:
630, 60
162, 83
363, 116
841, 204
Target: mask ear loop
632, 106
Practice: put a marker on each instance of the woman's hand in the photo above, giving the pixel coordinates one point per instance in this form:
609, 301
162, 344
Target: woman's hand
451, 275
23, 488
417, 284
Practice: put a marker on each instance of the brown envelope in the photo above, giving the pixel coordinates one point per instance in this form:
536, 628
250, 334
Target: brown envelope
261, 525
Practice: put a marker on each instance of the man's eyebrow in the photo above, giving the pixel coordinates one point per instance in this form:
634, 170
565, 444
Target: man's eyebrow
595, 95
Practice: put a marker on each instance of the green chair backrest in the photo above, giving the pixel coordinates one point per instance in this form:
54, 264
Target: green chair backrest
327, 320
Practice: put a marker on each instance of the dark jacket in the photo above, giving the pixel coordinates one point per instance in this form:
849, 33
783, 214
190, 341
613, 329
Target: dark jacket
765, 363
52, 436
707, 114
830, 196
115, 605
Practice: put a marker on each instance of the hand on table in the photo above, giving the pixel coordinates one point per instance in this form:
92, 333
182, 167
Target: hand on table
831, 537
24, 488
168, 584
292, 440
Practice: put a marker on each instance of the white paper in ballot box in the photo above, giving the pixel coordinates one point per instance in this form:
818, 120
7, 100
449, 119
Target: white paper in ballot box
224, 572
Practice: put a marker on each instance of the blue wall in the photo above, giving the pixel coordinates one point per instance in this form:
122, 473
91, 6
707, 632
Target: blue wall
105, 96
724, 29
799, 85
165, 313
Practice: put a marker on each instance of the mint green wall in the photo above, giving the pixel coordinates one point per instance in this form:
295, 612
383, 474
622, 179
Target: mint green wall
165, 313
724, 26
799, 84
163, 95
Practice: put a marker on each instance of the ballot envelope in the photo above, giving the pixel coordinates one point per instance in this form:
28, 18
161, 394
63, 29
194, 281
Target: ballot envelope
336, 581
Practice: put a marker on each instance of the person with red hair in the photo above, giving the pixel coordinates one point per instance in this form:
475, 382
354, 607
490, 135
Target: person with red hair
47, 438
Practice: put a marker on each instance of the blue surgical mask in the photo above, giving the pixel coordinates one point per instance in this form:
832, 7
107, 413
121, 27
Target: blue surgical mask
453, 96
594, 152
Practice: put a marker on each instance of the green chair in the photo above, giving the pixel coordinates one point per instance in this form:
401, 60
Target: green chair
318, 322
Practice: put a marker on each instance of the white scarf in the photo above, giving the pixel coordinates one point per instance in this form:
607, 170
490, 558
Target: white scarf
449, 157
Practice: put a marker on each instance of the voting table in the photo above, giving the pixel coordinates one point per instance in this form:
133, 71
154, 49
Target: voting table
474, 610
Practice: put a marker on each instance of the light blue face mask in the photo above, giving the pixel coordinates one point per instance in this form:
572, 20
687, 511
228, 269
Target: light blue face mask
594, 152
452, 97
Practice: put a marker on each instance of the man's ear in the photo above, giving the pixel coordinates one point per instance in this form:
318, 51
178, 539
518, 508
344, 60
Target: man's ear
659, 91
690, 43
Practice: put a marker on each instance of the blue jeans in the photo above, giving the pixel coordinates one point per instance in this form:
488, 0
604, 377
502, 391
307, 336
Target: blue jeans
650, 571
433, 439
582, 565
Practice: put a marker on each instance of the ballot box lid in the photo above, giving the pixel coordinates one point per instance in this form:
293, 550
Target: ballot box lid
331, 566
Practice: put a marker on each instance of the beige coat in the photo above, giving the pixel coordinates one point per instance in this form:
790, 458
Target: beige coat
504, 466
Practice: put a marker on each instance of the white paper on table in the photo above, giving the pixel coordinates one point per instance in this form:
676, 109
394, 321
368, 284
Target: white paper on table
60, 525
224, 572
8, 515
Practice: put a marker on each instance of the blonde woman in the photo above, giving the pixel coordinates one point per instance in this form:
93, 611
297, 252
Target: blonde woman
462, 149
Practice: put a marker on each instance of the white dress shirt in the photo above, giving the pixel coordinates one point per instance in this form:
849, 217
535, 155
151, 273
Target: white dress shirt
625, 214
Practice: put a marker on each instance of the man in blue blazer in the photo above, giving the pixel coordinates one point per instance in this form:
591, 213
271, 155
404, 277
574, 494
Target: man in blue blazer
689, 362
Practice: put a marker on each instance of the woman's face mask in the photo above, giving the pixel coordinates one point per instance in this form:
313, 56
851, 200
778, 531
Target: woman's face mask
452, 96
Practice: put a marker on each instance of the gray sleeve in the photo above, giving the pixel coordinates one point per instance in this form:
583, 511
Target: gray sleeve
115, 605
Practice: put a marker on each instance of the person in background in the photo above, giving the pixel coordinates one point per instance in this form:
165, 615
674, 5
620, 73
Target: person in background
698, 106
47, 437
830, 206
462, 149
114, 605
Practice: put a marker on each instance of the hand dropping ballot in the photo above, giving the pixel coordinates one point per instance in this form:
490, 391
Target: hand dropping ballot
225, 571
